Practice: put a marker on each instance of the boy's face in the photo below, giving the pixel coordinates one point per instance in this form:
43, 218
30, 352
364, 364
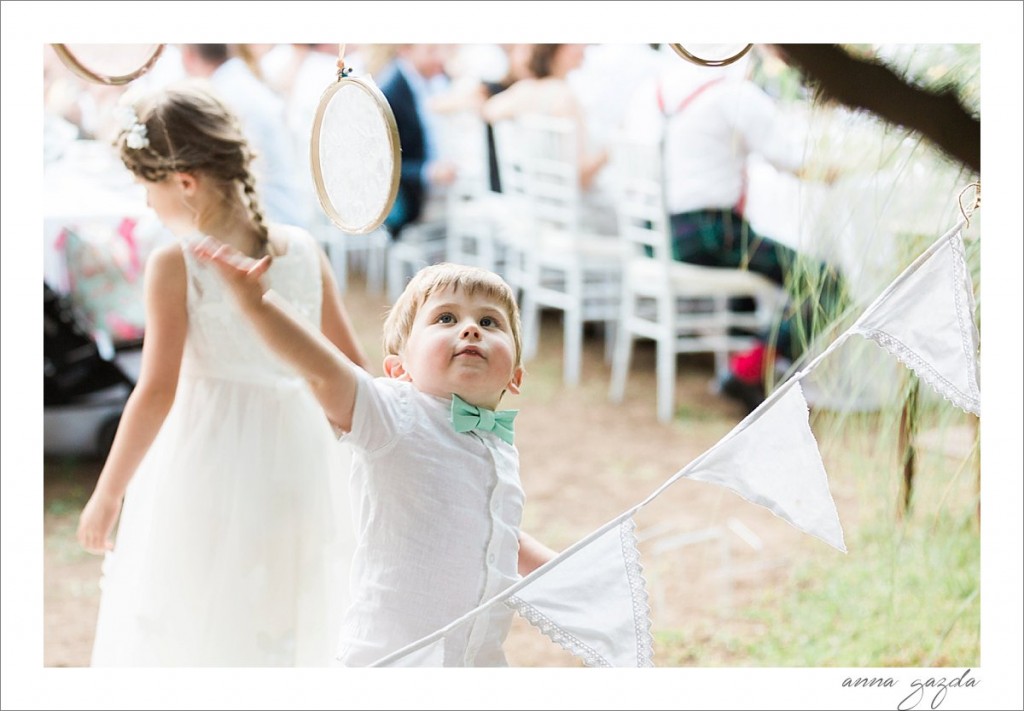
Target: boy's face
461, 344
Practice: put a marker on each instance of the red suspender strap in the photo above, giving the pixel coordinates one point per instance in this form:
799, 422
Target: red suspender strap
686, 101
742, 202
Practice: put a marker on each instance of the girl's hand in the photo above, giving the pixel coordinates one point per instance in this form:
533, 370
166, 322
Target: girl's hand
241, 273
97, 521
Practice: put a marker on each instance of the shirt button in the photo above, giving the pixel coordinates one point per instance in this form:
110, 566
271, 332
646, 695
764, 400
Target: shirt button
490, 558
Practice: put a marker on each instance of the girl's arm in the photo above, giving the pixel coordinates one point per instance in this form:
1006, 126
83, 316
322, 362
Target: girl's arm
150, 401
334, 321
508, 104
331, 375
590, 162
590, 165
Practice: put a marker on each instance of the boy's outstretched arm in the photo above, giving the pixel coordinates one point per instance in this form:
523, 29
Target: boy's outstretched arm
330, 374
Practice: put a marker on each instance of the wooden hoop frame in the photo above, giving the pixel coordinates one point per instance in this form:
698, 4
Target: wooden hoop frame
393, 142
690, 57
75, 65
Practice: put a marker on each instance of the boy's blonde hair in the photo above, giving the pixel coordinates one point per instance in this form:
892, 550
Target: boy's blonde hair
437, 278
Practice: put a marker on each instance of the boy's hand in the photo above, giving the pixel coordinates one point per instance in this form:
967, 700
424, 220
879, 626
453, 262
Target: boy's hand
241, 273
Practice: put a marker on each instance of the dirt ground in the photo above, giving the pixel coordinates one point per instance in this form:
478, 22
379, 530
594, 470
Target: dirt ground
584, 461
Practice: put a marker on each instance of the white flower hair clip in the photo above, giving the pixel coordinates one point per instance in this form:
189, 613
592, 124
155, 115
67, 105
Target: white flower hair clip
135, 136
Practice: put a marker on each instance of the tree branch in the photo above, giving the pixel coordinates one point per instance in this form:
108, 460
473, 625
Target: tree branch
868, 85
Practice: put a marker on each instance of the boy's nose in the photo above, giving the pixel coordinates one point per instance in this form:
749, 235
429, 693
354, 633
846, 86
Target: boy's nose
471, 331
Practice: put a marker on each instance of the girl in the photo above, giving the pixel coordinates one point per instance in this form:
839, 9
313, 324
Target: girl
544, 89
230, 543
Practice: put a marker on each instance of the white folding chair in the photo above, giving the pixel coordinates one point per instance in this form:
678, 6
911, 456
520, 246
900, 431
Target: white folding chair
509, 209
558, 265
682, 307
345, 250
422, 243
451, 227
472, 206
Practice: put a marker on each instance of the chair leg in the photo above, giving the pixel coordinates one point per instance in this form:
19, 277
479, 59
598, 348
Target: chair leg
611, 326
666, 369
531, 324
573, 326
621, 360
395, 272
336, 252
573, 329
376, 257
340, 265
722, 353
721, 362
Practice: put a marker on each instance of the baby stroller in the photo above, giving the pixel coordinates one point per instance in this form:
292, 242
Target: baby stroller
85, 382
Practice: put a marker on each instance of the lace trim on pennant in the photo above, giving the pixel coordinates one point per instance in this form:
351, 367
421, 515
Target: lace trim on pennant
925, 371
638, 591
641, 610
969, 336
566, 640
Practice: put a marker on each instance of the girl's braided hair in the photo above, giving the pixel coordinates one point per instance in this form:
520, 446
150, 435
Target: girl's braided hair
186, 129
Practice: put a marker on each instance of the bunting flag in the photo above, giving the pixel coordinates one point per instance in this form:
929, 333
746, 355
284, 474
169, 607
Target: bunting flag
774, 462
592, 598
926, 320
593, 602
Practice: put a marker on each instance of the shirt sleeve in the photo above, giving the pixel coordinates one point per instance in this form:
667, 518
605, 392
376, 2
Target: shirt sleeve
766, 128
380, 415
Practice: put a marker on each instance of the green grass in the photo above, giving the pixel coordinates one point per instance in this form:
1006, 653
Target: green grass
907, 594
902, 597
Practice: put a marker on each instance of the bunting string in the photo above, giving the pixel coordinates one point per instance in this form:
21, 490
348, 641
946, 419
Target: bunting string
783, 471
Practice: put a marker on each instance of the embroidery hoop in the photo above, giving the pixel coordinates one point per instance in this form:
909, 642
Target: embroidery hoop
354, 152
975, 204
78, 62
691, 57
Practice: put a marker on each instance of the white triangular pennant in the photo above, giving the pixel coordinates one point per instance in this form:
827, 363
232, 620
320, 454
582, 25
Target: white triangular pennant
926, 319
774, 462
594, 602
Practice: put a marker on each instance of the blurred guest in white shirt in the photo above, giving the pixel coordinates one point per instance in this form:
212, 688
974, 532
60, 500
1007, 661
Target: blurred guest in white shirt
711, 123
262, 113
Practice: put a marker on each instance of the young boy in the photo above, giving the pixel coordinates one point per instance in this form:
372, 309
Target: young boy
435, 475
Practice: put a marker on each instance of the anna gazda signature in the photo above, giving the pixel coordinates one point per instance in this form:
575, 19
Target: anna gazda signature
932, 690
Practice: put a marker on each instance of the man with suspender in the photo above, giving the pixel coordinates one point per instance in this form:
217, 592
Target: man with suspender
711, 126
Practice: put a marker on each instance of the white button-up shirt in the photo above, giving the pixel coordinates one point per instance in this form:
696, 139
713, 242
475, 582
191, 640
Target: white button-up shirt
437, 515
708, 142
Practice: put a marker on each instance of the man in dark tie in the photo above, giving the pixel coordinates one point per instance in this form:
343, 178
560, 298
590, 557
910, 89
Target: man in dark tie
406, 85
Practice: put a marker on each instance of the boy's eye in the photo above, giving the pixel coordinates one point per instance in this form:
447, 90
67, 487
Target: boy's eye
446, 318
488, 322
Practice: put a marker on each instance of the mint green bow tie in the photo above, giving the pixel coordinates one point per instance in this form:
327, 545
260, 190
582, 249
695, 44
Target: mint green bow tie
466, 417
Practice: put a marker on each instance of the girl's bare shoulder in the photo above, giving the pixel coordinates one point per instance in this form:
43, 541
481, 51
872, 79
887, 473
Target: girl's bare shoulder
167, 259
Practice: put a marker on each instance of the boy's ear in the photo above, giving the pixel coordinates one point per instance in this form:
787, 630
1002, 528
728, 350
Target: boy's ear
394, 368
516, 382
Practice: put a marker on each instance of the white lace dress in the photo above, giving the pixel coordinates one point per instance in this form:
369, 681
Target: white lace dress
235, 537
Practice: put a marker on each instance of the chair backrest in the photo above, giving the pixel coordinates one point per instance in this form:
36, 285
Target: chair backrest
462, 140
640, 198
508, 148
551, 171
